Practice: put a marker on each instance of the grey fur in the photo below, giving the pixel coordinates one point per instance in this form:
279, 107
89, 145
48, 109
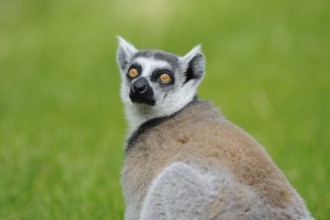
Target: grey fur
184, 192
124, 53
195, 68
172, 59
184, 160
187, 197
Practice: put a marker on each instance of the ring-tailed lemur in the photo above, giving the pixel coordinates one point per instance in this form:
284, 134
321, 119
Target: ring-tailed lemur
184, 160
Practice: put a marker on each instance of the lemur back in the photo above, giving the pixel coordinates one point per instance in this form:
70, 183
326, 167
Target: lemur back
188, 161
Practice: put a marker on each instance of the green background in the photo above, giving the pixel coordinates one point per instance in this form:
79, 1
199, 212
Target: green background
62, 126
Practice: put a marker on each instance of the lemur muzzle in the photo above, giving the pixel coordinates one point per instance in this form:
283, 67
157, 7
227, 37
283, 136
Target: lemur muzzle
141, 92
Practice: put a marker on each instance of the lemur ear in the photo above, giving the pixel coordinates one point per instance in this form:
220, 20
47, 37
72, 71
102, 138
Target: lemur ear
124, 53
195, 64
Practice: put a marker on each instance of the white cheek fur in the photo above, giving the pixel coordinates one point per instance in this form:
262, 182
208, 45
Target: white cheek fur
137, 114
149, 65
179, 96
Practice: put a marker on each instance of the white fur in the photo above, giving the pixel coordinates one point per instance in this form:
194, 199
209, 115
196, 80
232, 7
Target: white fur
126, 46
137, 114
149, 65
192, 53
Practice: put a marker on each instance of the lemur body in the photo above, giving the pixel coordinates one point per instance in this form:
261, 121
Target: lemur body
184, 160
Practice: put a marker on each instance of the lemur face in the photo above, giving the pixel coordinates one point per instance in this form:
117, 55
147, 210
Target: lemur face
152, 76
158, 80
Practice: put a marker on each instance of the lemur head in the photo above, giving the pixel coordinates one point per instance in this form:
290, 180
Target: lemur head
156, 83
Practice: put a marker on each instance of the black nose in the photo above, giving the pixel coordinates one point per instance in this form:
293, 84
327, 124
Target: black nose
140, 86
141, 92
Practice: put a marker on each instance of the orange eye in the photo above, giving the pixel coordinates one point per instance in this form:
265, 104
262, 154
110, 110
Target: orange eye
165, 78
132, 73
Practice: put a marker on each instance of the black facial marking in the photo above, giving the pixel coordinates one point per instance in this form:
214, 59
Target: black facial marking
156, 74
141, 92
137, 67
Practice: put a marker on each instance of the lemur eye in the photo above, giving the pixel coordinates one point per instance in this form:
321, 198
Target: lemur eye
132, 73
165, 78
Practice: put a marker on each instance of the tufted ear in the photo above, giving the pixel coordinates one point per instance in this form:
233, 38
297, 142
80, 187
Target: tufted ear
195, 64
124, 53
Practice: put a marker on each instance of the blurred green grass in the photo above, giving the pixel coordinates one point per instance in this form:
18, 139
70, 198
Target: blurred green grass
62, 126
